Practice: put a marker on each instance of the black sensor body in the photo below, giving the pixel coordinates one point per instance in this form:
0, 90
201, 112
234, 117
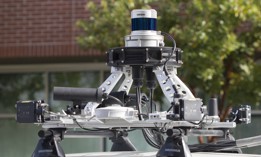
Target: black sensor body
187, 110
26, 111
77, 94
146, 56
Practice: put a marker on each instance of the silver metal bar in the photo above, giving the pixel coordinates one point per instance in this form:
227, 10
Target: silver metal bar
196, 132
183, 88
214, 125
108, 85
127, 82
94, 122
167, 82
246, 143
88, 134
249, 142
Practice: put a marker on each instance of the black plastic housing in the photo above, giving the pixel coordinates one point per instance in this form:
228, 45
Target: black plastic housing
147, 56
77, 94
187, 110
26, 111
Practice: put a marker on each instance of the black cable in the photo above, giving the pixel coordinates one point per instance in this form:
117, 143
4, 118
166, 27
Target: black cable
158, 136
173, 50
144, 102
96, 129
74, 119
130, 130
138, 102
149, 139
155, 105
154, 137
142, 114
150, 143
161, 130
144, 97
151, 101
170, 108
116, 99
169, 57
235, 116
199, 121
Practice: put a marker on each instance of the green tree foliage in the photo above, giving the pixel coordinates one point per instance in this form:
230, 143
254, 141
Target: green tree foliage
14, 87
108, 23
219, 39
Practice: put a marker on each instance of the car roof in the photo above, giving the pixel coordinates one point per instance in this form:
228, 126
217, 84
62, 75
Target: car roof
153, 154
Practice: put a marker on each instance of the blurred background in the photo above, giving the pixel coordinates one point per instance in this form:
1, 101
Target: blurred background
63, 42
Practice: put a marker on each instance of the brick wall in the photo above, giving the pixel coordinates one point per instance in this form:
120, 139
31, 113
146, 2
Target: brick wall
41, 28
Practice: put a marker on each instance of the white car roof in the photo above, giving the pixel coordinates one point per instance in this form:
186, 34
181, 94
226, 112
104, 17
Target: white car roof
153, 154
